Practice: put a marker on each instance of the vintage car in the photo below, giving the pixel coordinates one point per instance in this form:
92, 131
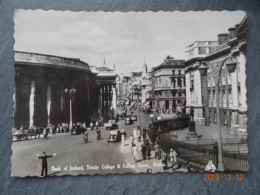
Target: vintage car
134, 118
111, 124
128, 120
77, 129
20, 135
114, 136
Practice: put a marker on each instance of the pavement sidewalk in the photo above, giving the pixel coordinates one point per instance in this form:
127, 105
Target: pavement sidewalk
141, 166
208, 132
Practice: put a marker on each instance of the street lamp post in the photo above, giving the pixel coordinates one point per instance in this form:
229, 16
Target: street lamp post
70, 92
159, 131
137, 91
215, 70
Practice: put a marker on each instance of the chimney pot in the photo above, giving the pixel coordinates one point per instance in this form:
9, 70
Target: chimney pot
231, 33
222, 38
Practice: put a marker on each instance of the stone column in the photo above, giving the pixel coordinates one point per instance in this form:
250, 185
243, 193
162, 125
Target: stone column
103, 99
100, 99
109, 98
49, 103
211, 91
188, 95
197, 86
89, 108
14, 99
243, 108
62, 102
32, 104
106, 99
198, 110
234, 121
114, 98
242, 65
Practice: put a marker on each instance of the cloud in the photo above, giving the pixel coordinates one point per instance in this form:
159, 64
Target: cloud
124, 39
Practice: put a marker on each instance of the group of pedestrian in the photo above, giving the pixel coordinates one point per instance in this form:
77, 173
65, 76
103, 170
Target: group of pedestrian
170, 160
146, 150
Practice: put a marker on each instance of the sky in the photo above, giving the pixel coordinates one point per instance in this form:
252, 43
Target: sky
125, 40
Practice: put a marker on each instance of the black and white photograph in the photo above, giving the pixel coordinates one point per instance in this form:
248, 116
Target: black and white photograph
129, 92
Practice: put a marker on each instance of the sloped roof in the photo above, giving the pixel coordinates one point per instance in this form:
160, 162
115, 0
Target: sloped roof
103, 68
171, 63
222, 46
137, 74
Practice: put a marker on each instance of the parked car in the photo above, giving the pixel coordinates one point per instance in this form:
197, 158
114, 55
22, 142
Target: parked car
134, 118
77, 130
128, 120
114, 136
111, 124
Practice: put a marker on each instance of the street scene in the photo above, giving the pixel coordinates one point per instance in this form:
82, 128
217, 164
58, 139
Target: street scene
115, 98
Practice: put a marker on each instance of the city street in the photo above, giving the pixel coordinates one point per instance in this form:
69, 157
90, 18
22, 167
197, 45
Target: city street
72, 154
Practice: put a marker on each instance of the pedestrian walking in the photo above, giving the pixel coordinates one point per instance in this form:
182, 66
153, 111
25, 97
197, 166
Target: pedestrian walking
97, 123
135, 133
164, 160
156, 150
44, 158
143, 150
91, 125
144, 133
131, 141
45, 133
189, 168
148, 151
173, 156
135, 153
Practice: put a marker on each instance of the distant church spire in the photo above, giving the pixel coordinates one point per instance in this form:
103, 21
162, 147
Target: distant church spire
104, 62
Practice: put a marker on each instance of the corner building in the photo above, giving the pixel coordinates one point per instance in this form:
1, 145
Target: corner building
201, 90
40, 83
169, 85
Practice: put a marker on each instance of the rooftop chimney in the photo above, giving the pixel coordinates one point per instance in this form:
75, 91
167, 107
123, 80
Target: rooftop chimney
222, 38
231, 33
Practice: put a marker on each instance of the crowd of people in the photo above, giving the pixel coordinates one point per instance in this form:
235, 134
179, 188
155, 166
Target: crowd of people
169, 159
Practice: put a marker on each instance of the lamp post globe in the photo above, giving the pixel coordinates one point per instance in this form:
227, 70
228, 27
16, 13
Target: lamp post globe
203, 69
231, 65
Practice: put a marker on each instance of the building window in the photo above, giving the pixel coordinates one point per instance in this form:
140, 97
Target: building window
179, 72
173, 72
202, 50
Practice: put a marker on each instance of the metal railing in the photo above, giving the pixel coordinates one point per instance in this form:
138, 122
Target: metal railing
202, 151
235, 160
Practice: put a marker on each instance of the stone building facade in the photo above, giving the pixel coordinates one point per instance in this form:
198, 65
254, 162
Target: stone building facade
135, 82
106, 95
169, 87
40, 97
40, 83
144, 84
201, 90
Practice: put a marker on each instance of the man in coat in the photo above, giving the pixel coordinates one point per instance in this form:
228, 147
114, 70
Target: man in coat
148, 150
44, 157
143, 150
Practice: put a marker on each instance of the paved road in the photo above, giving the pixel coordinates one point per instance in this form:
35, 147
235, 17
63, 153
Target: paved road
72, 153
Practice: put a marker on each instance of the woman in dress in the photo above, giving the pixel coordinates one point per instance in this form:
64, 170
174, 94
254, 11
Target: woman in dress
135, 153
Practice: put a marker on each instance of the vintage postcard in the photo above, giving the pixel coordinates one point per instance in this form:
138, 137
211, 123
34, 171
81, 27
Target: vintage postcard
137, 92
